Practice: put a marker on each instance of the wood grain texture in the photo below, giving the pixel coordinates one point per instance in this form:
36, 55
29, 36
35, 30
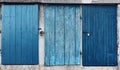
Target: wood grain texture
51, 35
61, 27
71, 34
23, 51
24, 10
5, 38
12, 25
34, 32
29, 33
66, 34
19, 32
78, 35
59, 38
47, 56
100, 48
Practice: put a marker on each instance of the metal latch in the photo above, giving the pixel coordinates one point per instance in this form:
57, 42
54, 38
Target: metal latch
41, 32
88, 34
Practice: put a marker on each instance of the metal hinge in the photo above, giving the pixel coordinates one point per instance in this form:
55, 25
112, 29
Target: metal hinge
0, 16
0, 31
80, 53
80, 17
0, 51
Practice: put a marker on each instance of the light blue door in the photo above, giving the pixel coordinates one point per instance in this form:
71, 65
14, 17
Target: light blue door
19, 34
99, 38
62, 34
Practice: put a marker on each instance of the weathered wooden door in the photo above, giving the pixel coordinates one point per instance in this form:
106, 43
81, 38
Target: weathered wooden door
19, 34
62, 34
99, 37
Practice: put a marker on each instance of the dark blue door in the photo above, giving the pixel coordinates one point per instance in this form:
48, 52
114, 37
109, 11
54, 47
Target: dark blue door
19, 34
99, 35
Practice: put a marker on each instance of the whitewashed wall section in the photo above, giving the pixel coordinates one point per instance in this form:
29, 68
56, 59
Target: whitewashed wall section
118, 34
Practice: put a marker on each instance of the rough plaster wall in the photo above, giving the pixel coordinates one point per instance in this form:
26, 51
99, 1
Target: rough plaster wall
41, 54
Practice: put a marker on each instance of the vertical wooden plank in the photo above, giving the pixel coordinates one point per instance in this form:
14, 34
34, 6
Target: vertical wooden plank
5, 34
70, 34
24, 34
59, 38
112, 49
83, 36
77, 50
67, 55
52, 35
18, 36
49, 35
47, 24
95, 34
104, 34
116, 38
12, 34
108, 35
35, 57
29, 34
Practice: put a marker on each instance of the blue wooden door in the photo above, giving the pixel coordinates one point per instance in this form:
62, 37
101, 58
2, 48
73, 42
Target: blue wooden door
19, 34
99, 35
62, 34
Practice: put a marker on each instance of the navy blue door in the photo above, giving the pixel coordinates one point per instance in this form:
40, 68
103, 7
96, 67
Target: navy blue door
99, 35
19, 34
